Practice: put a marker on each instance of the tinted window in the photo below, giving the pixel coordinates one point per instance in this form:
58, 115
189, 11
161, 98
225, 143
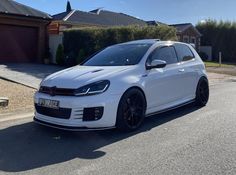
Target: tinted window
164, 53
119, 55
184, 53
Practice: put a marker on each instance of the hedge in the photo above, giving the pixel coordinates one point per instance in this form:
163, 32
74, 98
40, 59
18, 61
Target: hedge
221, 36
80, 43
60, 55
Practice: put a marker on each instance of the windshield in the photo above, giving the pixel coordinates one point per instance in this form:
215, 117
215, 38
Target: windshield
119, 55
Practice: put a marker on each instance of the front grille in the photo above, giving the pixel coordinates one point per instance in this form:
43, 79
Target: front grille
62, 113
56, 91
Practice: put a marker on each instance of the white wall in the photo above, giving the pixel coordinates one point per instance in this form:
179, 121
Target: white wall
207, 50
54, 41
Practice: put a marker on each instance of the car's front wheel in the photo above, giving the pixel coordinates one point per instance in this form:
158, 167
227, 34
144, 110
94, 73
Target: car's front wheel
202, 93
131, 110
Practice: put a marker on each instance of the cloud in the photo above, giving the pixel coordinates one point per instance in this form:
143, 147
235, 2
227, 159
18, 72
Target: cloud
122, 2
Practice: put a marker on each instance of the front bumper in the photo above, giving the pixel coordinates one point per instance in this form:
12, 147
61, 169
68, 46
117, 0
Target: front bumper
77, 105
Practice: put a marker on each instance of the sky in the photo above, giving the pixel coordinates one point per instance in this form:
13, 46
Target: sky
166, 11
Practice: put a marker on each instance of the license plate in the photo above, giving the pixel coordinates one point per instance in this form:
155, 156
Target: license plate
48, 103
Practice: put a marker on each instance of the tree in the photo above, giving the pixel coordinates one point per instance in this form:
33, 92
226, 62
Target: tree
68, 6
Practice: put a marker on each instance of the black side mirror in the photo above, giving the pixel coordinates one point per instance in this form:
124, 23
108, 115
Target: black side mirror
156, 64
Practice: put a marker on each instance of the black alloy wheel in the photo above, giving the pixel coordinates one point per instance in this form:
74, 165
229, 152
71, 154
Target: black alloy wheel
202, 94
131, 110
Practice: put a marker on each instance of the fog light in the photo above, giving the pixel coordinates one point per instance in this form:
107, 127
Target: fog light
93, 114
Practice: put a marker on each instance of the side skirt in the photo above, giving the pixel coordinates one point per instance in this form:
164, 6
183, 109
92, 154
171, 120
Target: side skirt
171, 108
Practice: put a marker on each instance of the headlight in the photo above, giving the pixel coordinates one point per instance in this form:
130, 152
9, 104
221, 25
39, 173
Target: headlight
40, 85
93, 89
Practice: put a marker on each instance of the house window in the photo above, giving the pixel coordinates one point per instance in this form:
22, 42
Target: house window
193, 40
179, 38
186, 39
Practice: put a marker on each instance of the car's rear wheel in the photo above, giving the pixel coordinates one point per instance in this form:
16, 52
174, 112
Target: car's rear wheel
202, 93
131, 110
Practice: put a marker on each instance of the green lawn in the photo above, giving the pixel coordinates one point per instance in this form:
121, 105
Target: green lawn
214, 64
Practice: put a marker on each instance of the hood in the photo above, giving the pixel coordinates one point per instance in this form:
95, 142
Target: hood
78, 76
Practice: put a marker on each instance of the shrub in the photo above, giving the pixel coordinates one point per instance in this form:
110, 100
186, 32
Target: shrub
60, 55
80, 57
70, 59
86, 41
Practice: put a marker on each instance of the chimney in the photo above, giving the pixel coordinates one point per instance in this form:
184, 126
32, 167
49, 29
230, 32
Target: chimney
68, 7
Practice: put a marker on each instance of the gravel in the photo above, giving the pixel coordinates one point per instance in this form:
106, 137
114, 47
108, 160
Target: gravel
20, 97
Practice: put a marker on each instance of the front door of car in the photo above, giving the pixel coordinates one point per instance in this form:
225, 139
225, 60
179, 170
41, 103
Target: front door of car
163, 85
189, 70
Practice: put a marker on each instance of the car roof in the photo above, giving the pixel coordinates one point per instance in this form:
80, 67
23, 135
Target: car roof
152, 42
149, 41
143, 41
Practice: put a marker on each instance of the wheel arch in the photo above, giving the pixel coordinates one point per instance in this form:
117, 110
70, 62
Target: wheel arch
138, 88
202, 77
133, 87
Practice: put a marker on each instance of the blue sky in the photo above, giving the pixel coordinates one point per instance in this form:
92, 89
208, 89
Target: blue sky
167, 11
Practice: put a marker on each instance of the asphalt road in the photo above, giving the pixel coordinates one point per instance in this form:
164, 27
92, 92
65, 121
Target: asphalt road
184, 141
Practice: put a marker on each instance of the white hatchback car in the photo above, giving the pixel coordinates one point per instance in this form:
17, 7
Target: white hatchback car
122, 84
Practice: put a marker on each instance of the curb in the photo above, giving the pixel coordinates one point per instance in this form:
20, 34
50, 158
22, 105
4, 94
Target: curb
3, 78
9, 117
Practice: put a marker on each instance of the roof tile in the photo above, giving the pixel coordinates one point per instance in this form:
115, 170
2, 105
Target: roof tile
104, 18
15, 8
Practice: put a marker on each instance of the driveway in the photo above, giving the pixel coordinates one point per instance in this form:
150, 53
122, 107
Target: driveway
27, 74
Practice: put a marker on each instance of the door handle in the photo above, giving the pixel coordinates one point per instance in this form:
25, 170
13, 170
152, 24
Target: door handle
181, 70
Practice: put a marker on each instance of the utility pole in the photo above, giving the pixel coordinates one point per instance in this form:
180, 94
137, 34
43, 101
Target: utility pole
220, 58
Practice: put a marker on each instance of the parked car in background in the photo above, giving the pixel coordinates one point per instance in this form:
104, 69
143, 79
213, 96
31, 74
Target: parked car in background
121, 85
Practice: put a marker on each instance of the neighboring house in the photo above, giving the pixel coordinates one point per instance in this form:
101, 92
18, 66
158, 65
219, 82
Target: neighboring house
98, 17
185, 32
188, 33
23, 32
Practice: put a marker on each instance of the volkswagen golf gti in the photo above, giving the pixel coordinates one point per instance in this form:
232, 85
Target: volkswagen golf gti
121, 85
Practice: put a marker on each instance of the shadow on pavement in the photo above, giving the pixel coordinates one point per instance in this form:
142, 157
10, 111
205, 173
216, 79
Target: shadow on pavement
35, 70
29, 146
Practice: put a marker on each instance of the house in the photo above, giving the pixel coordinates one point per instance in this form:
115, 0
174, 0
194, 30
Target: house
98, 18
78, 19
155, 23
188, 33
23, 33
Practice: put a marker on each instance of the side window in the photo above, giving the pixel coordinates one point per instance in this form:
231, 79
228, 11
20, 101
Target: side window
184, 53
166, 53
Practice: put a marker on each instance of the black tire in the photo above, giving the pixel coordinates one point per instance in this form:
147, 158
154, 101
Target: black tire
202, 93
131, 110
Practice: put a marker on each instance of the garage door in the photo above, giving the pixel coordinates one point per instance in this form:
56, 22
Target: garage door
18, 44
